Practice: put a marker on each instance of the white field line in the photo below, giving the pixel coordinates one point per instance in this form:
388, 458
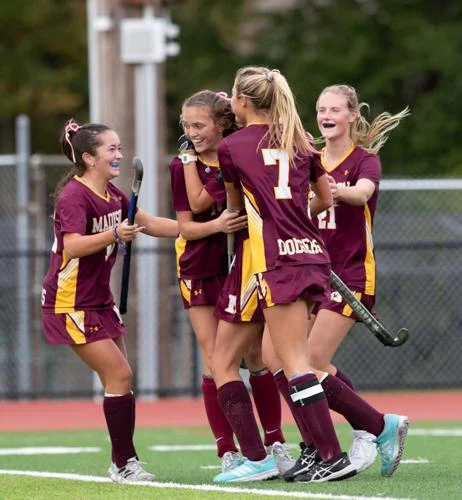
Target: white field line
436, 432
46, 450
182, 447
415, 461
196, 487
455, 432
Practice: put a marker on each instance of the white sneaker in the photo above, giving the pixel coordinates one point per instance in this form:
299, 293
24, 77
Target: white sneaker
131, 472
284, 460
230, 460
363, 451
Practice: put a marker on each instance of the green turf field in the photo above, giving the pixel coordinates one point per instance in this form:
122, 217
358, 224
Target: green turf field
431, 468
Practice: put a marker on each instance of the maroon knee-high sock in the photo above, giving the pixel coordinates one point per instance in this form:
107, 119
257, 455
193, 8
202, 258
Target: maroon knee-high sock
217, 420
118, 411
345, 379
133, 414
268, 403
311, 404
236, 405
283, 386
359, 413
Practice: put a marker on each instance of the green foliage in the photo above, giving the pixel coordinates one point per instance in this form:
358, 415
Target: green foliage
395, 52
44, 60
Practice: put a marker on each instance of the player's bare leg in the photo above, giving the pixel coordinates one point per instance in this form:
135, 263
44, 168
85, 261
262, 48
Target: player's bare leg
106, 357
205, 324
232, 343
325, 337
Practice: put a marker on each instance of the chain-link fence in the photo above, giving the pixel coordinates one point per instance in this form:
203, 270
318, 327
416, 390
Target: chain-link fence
418, 243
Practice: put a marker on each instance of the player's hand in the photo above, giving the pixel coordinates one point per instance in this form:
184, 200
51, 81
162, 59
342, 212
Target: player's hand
230, 221
185, 145
128, 232
333, 187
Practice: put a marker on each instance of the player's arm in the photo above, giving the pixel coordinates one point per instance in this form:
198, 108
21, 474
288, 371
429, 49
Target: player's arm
198, 197
227, 222
323, 199
357, 195
161, 227
77, 245
235, 197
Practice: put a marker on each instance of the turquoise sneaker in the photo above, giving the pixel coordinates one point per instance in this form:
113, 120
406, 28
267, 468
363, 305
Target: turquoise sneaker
249, 471
390, 443
230, 460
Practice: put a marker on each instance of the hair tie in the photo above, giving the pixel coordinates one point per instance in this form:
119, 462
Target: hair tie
71, 127
223, 95
270, 74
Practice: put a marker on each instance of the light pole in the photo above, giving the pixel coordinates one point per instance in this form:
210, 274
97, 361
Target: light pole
145, 43
124, 55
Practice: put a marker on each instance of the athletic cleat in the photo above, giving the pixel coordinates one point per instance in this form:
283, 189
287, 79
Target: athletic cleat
131, 472
230, 460
281, 455
363, 451
333, 470
308, 457
249, 471
390, 443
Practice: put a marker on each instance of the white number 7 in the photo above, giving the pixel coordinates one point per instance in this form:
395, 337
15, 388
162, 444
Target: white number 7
272, 157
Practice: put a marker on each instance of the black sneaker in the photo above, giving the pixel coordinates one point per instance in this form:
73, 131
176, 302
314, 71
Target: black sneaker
305, 461
333, 470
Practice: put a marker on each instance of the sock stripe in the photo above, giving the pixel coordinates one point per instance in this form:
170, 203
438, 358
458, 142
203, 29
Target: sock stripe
306, 392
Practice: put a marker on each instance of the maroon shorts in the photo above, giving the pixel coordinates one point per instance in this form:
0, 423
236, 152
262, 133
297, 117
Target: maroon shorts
337, 304
238, 300
201, 292
82, 327
285, 285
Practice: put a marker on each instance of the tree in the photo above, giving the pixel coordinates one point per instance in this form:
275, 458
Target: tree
44, 65
396, 53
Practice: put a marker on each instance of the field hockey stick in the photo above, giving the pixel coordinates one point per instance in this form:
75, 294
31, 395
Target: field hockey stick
366, 317
230, 249
136, 185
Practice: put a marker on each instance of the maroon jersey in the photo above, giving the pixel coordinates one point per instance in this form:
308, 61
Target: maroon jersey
82, 283
347, 229
208, 256
276, 199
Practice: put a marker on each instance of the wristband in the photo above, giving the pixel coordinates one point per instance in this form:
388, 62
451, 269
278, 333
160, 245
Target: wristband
119, 241
187, 158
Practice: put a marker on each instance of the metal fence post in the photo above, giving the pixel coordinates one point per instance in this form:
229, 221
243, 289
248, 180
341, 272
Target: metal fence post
23, 345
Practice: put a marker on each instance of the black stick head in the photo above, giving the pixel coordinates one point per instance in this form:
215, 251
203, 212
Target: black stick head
137, 175
400, 338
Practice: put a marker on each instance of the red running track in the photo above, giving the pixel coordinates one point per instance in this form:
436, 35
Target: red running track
87, 414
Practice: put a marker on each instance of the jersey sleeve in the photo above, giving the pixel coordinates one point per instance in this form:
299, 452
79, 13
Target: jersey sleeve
179, 193
229, 171
370, 168
72, 214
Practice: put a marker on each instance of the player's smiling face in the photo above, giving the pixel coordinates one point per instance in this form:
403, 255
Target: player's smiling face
200, 127
108, 155
334, 116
